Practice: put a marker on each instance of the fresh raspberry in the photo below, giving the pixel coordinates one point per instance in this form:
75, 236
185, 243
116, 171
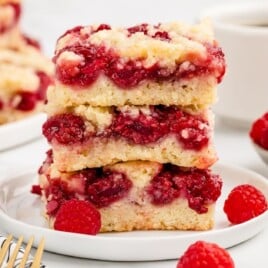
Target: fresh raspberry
78, 216
205, 255
244, 203
259, 131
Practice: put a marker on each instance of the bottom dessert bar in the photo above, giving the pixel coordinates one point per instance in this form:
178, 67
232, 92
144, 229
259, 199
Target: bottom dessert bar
135, 195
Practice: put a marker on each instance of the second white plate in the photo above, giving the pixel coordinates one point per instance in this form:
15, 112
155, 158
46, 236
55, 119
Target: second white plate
20, 214
21, 131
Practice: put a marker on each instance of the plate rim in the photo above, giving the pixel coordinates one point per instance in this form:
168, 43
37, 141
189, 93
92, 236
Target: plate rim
22, 121
101, 236
146, 239
35, 120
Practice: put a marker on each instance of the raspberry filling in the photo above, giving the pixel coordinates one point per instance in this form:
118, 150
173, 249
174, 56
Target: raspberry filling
100, 187
126, 74
48, 161
65, 129
17, 12
191, 131
44, 82
26, 101
259, 131
199, 187
23, 101
104, 187
1, 105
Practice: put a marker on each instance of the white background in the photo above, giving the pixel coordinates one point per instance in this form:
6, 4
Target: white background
48, 19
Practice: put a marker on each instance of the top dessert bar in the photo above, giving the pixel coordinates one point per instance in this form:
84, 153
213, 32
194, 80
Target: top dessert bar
168, 64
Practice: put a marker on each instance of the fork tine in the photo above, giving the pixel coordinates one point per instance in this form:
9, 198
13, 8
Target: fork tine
4, 249
26, 252
38, 255
15, 253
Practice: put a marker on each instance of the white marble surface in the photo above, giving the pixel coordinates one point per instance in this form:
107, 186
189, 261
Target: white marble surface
47, 20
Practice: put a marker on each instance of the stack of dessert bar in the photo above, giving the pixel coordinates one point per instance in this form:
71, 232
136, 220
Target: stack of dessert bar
130, 125
25, 72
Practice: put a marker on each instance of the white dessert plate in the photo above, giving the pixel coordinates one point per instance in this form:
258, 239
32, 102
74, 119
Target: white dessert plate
263, 154
20, 215
21, 131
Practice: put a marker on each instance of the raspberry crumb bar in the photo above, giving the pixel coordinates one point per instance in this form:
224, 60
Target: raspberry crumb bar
25, 72
131, 129
169, 64
136, 195
98, 136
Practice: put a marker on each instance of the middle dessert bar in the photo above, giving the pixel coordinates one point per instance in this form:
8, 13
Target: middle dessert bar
86, 136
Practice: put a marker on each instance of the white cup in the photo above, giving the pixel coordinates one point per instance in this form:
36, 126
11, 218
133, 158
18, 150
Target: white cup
242, 31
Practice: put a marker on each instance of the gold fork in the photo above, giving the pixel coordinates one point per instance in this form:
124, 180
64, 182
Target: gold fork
36, 261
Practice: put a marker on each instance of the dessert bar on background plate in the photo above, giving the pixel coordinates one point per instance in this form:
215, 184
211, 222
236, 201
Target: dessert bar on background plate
25, 71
